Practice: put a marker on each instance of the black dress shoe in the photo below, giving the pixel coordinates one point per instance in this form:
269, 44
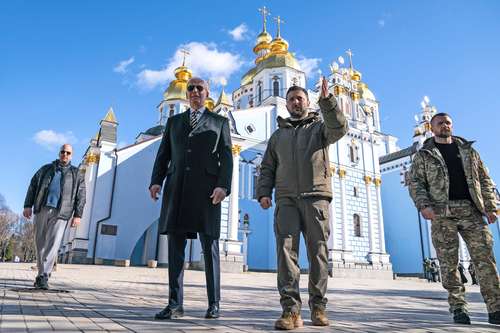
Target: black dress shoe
170, 313
212, 311
461, 317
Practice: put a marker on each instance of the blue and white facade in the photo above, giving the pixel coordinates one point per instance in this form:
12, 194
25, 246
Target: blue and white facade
120, 219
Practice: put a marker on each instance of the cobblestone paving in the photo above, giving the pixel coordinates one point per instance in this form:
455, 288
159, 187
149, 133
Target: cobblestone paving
111, 299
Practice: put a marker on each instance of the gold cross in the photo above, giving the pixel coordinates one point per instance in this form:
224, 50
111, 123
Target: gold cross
265, 12
279, 21
350, 54
185, 53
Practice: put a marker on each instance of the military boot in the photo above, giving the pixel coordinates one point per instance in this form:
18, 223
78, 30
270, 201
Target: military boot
460, 316
319, 318
494, 318
289, 321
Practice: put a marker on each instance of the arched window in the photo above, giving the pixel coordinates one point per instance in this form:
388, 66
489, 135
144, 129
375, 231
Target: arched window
353, 153
259, 92
172, 110
276, 86
355, 191
357, 225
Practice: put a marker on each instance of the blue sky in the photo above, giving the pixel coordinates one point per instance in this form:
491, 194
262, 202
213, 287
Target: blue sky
60, 65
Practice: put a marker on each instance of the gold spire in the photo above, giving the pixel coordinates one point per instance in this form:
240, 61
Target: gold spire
223, 99
350, 54
265, 12
279, 21
278, 44
184, 54
110, 116
262, 47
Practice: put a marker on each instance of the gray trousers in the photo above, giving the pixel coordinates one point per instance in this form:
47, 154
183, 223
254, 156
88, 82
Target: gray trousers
309, 216
49, 232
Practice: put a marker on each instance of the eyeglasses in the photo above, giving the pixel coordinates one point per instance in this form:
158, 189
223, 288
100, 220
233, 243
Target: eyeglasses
199, 88
63, 152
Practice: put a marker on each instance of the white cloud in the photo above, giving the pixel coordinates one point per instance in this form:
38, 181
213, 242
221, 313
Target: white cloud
381, 23
123, 65
309, 65
204, 60
239, 32
52, 140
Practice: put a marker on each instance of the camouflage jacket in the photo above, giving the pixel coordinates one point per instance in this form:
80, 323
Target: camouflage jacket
429, 181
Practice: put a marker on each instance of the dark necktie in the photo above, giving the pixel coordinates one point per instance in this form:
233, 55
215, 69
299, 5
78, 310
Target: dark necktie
194, 118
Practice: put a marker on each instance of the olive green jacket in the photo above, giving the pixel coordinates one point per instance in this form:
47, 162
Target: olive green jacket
296, 161
429, 181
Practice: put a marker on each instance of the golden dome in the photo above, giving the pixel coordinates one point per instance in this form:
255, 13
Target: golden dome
355, 75
248, 77
209, 103
417, 132
280, 60
279, 46
177, 88
365, 92
264, 37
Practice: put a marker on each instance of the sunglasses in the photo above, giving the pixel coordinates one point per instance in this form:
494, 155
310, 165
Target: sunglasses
63, 152
191, 88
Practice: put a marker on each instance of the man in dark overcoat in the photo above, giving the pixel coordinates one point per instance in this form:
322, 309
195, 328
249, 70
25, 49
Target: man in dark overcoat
196, 160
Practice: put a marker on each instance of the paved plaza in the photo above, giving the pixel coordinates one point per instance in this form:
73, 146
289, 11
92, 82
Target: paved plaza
105, 298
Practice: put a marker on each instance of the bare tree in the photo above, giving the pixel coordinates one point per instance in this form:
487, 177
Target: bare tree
8, 220
26, 239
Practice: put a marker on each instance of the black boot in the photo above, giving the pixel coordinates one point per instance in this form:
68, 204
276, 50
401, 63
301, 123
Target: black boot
460, 316
494, 318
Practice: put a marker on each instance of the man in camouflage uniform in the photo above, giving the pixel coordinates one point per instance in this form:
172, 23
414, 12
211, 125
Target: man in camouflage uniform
451, 187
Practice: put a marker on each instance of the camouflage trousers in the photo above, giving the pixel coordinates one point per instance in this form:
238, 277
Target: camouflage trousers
463, 218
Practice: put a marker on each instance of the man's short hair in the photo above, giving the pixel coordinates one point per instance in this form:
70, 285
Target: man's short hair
296, 88
440, 114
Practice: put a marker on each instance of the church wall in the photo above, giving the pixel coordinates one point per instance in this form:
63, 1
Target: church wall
133, 210
402, 232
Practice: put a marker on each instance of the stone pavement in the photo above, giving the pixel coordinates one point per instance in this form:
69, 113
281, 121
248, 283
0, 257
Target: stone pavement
106, 298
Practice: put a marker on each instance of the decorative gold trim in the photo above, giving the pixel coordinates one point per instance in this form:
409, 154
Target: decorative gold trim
342, 173
332, 170
92, 158
377, 181
236, 149
367, 179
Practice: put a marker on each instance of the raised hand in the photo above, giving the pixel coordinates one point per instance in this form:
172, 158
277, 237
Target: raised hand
324, 88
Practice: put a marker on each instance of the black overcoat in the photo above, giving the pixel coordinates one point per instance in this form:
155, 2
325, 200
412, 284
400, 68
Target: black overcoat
193, 162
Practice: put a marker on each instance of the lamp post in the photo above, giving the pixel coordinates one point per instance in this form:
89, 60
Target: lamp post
245, 229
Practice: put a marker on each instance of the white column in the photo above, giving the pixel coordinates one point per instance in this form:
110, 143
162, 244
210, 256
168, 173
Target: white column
384, 258
163, 250
346, 241
82, 231
332, 241
371, 226
232, 233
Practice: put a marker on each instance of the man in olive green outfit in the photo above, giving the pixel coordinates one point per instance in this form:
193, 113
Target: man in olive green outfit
451, 187
296, 164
